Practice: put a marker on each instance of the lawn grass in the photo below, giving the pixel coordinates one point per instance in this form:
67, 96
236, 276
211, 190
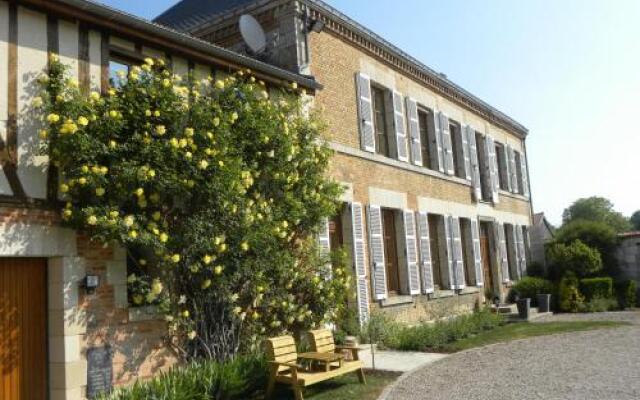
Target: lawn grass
346, 387
523, 330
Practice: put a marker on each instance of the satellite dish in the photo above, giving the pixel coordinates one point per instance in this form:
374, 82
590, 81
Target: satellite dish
253, 34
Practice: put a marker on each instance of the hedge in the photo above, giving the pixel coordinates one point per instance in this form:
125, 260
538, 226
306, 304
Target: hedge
597, 288
626, 293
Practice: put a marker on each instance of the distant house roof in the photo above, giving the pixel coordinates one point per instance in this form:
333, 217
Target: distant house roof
540, 219
190, 13
631, 234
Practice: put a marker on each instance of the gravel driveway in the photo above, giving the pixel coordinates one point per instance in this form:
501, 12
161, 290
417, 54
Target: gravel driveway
596, 365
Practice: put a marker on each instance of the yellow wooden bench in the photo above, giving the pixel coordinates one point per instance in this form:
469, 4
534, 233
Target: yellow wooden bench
284, 368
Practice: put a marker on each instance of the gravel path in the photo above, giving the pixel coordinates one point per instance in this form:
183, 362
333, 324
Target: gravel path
596, 365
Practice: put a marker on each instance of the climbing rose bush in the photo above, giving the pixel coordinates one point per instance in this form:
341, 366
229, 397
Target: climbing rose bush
215, 187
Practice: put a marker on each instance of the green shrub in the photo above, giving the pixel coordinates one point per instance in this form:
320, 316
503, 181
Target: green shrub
626, 292
237, 379
596, 287
570, 299
529, 287
576, 257
599, 304
431, 336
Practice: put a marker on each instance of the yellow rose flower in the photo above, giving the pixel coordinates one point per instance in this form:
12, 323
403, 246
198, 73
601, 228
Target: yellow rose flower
192, 335
53, 118
95, 96
206, 284
37, 102
203, 164
112, 144
113, 114
188, 132
216, 121
185, 313
161, 130
43, 134
156, 287
100, 192
133, 234
139, 192
220, 84
148, 61
175, 258
156, 216
82, 181
188, 155
129, 220
92, 220
67, 214
156, 113
244, 246
163, 238
114, 214
207, 259
218, 269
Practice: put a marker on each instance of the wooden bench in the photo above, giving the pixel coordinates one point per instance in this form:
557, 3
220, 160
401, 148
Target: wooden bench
284, 367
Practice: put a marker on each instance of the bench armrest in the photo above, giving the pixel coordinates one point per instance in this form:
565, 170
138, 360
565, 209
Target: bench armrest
283, 364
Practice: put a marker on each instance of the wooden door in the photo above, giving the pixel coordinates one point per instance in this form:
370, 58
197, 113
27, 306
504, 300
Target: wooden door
23, 329
391, 251
485, 253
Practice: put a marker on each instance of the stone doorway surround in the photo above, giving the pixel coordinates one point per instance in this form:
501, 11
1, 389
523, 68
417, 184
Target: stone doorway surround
67, 321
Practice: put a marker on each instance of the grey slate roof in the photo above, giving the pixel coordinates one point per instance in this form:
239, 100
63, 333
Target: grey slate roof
190, 13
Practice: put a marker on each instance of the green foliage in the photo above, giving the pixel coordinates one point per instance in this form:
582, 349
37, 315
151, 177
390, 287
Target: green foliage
597, 235
577, 258
208, 380
626, 292
429, 336
536, 269
600, 304
221, 188
596, 288
529, 287
597, 209
570, 299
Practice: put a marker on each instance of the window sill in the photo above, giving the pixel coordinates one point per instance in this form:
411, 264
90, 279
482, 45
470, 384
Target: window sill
396, 301
470, 290
518, 196
146, 313
440, 294
341, 148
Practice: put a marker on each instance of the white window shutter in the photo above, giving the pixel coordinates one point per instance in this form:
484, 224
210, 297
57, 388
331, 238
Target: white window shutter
458, 258
450, 252
414, 131
359, 261
412, 252
493, 168
399, 126
376, 248
477, 253
525, 175
475, 165
324, 244
513, 171
515, 251
437, 144
508, 155
522, 256
365, 113
466, 152
425, 252
447, 144
504, 260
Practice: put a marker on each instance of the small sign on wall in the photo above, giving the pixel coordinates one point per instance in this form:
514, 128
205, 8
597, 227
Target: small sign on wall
99, 371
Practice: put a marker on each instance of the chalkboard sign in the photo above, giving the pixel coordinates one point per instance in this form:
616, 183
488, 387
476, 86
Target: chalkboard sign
99, 371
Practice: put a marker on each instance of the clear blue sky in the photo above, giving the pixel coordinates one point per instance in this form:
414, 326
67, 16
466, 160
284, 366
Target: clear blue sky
568, 70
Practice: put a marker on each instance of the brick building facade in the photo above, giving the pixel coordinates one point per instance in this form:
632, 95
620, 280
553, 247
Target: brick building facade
49, 321
437, 205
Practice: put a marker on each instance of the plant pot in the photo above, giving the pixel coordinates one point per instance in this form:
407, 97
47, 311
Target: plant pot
524, 306
544, 302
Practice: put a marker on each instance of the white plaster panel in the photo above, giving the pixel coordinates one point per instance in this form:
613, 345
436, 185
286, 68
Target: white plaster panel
4, 59
180, 66
67, 322
387, 198
120, 296
378, 73
347, 195
151, 52
64, 349
32, 62
443, 207
122, 43
424, 97
66, 269
452, 111
32, 240
95, 60
68, 45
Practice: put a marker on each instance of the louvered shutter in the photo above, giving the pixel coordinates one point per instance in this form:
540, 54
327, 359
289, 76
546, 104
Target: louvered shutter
450, 252
513, 170
376, 248
437, 142
475, 165
324, 244
515, 251
399, 126
522, 256
458, 258
365, 113
412, 252
477, 254
525, 175
414, 131
493, 168
359, 261
447, 144
466, 152
504, 258
425, 253
506, 174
